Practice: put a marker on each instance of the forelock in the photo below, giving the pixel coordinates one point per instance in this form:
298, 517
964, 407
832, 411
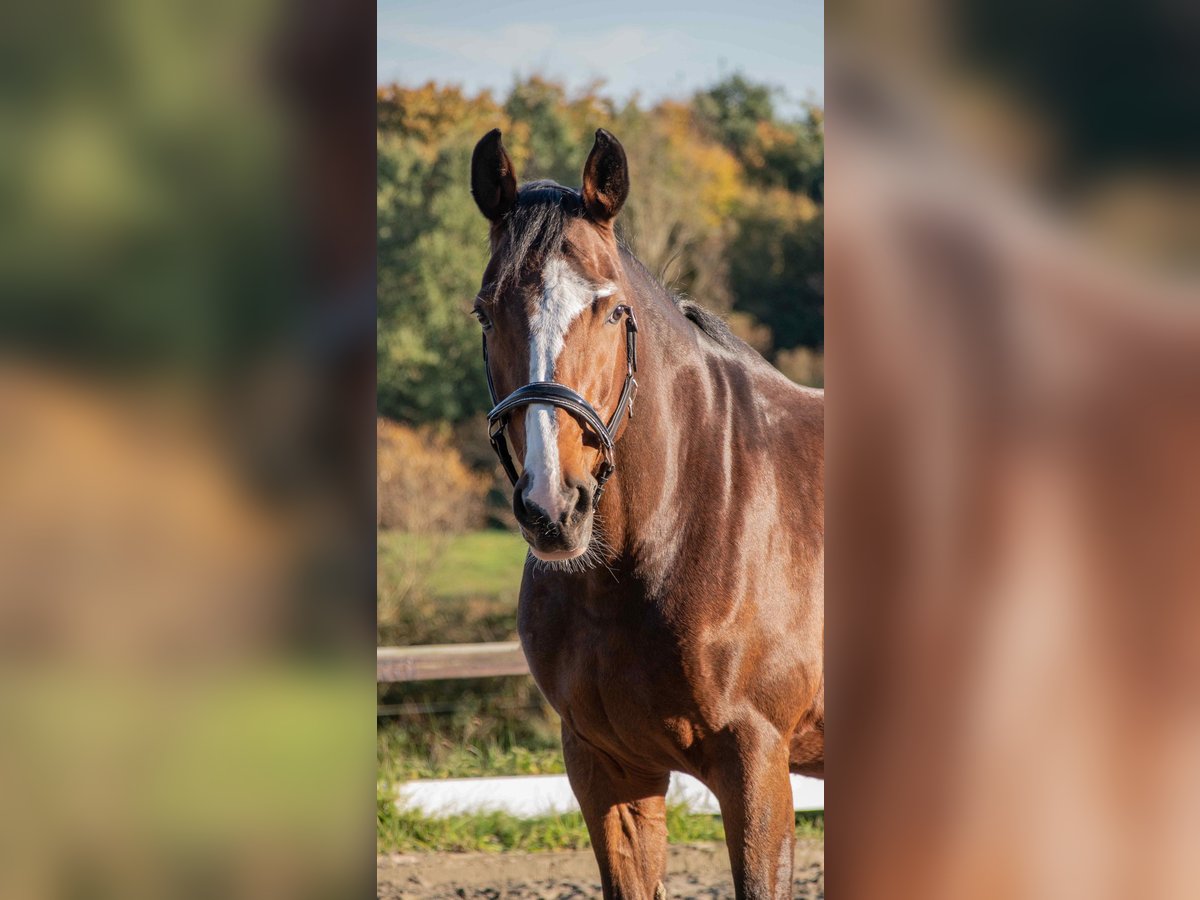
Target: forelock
535, 227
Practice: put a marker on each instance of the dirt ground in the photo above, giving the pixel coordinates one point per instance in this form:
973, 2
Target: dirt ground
693, 871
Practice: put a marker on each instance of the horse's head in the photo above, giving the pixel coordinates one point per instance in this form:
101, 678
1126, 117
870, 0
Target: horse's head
554, 308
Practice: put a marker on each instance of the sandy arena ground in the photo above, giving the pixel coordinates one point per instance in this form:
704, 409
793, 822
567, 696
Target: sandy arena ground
693, 871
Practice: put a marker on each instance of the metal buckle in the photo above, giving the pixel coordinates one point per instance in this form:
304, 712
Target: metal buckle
602, 476
631, 329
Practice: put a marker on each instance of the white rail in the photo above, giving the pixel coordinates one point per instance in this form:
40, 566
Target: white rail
533, 796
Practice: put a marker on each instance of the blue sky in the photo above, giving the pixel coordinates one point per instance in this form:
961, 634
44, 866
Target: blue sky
649, 48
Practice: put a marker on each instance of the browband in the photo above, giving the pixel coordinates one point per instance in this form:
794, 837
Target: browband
552, 393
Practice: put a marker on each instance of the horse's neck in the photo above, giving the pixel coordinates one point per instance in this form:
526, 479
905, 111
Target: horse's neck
674, 406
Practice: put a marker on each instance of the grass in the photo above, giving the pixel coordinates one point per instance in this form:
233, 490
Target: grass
402, 831
479, 563
448, 589
450, 750
458, 589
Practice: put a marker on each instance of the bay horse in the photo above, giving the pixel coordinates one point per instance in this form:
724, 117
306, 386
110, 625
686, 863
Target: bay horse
672, 495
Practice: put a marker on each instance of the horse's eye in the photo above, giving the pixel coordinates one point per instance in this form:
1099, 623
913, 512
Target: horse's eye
615, 316
479, 314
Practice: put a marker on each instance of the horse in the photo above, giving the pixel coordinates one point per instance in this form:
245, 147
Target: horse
671, 493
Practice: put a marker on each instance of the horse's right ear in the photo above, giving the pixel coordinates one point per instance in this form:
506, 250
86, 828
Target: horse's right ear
493, 182
605, 178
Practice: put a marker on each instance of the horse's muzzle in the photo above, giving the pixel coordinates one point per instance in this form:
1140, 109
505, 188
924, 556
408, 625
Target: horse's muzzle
561, 531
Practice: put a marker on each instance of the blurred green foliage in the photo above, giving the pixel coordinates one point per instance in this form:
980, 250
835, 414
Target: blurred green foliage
726, 206
146, 213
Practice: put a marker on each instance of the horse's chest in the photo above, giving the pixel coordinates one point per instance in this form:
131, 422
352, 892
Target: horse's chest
611, 676
644, 685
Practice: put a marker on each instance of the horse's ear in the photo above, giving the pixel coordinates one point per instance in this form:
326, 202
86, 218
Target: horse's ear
605, 178
493, 182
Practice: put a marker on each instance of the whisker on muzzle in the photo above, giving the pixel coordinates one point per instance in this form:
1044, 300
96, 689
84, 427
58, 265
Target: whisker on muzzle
599, 552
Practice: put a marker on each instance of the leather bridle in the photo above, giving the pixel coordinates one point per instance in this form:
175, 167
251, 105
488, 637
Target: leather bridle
554, 394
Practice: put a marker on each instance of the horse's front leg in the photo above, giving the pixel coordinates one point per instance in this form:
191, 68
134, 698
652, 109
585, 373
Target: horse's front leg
748, 771
626, 815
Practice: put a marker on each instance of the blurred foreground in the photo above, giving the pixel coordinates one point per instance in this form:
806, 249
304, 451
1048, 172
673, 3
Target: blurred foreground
186, 397
1014, 507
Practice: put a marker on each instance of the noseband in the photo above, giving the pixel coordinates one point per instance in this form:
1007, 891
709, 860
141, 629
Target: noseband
554, 394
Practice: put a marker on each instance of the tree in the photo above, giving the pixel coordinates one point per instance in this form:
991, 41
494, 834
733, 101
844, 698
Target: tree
734, 108
776, 263
431, 249
774, 152
677, 219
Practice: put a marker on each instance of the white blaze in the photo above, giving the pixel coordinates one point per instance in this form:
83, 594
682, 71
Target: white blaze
564, 296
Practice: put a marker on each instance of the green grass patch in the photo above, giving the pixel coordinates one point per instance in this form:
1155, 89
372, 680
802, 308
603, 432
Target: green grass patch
458, 589
448, 589
484, 745
478, 563
810, 825
405, 831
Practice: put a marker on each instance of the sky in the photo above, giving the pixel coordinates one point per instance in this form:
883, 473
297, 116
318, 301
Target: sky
638, 47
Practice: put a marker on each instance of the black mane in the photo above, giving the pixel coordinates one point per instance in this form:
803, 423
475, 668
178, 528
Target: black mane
706, 321
710, 323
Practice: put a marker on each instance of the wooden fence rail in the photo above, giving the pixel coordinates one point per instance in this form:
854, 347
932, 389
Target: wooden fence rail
449, 661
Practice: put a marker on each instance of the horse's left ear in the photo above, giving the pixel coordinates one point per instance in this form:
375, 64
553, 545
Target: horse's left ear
493, 182
605, 178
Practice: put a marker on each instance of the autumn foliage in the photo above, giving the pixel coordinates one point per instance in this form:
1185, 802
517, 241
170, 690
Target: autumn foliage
422, 483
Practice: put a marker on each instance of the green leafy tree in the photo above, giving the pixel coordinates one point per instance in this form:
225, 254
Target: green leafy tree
734, 108
431, 248
776, 267
775, 152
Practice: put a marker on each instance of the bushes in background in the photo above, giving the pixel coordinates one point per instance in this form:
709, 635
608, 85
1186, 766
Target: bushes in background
422, 483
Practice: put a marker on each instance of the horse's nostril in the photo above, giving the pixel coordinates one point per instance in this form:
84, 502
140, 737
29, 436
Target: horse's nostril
533, 517
567, 511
